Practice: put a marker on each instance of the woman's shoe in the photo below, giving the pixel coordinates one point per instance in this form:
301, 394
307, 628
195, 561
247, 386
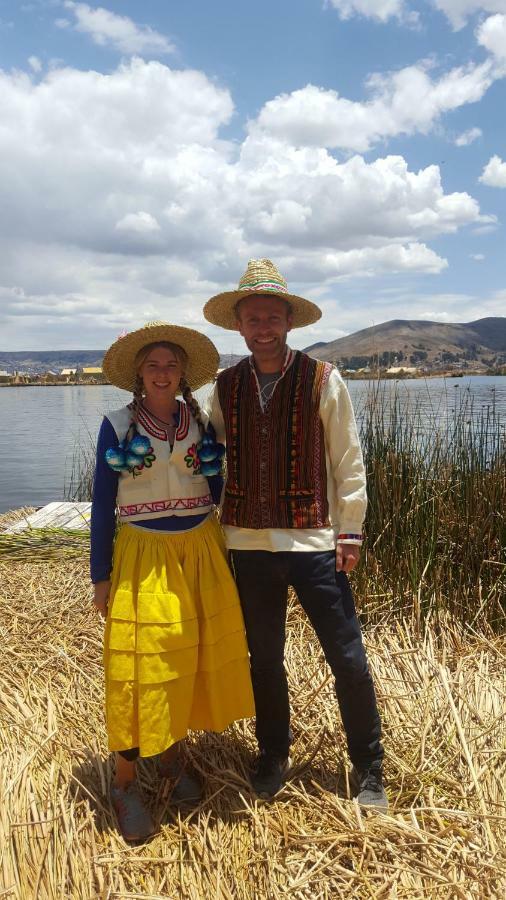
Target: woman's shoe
187, 788
134, 819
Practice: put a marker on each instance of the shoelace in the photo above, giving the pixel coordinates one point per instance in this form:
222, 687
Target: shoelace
371, 780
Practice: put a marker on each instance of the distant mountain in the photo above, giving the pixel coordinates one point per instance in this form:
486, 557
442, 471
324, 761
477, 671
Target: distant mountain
38, 361
419, 343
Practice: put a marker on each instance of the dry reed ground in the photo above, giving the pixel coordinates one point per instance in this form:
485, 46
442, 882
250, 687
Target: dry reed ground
442, 699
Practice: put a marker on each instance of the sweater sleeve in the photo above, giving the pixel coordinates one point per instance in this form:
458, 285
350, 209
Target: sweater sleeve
348, 500
103, 508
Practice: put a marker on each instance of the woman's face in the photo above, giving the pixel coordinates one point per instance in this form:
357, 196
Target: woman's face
161, 373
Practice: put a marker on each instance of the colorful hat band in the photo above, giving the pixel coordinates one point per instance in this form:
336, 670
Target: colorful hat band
264, 286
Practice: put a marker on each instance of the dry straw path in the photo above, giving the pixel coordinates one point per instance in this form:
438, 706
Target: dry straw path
443, 701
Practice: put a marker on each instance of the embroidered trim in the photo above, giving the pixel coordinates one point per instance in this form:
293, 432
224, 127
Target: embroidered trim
349, 537
151, 427
184, 422
318, 450
136, 509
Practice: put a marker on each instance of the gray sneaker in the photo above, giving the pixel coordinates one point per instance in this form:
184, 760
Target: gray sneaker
269, 775
134, 819
369, 784
187, 788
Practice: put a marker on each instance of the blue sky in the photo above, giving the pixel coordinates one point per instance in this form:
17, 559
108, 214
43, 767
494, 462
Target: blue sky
148, 150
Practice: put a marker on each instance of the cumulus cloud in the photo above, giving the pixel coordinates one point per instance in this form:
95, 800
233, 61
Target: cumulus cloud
491, 34
107, 28
458, 12
121, 192
494, 173
403, 102
380, 10
468, 137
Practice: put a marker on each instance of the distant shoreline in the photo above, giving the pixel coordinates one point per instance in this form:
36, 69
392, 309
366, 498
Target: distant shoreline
347, 377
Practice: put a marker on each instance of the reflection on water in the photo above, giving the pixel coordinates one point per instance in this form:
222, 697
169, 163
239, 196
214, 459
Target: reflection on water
44, 427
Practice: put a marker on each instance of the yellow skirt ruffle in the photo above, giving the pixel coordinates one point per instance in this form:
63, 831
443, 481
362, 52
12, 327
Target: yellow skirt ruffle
175, 652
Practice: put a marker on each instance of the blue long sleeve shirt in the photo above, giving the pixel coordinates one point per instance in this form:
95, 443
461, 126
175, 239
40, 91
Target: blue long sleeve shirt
103, 509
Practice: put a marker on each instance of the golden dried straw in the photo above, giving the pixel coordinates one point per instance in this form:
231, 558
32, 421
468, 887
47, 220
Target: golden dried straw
442, 697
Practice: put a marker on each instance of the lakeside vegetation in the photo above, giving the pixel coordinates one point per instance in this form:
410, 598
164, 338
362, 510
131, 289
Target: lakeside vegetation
436, 518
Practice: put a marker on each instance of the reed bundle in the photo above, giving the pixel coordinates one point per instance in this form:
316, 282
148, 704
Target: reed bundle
441, 691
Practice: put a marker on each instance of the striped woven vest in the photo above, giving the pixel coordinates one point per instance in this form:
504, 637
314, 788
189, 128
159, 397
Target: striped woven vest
276, 470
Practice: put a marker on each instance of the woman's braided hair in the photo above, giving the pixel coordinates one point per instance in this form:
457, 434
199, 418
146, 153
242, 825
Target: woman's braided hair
192, 404
188, 397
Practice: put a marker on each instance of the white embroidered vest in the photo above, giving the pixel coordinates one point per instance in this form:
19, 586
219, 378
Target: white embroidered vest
172, 485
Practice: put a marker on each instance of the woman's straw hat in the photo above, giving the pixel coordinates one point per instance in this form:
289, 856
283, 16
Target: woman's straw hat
261, 277
203, 357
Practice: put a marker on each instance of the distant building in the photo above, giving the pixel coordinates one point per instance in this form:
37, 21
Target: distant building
68, 372
92, 370
396, 370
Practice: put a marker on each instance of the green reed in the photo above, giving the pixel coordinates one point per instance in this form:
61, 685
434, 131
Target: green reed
436, 520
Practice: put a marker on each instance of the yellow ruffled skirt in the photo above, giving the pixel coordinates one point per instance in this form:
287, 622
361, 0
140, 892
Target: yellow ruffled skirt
175, 652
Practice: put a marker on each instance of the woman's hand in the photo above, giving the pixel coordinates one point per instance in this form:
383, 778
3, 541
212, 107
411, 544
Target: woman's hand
101, 596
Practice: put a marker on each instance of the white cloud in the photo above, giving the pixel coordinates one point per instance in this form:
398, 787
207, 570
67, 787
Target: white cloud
491, 34
35, 63
478, 257
458, 12
381, 10
494, 173
403, 102
467, 137
139, 222
105, 27
120, 192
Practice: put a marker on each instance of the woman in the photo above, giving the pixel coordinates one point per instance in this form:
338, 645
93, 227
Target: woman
175, 654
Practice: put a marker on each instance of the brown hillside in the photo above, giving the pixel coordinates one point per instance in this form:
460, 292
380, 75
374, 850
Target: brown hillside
479, 341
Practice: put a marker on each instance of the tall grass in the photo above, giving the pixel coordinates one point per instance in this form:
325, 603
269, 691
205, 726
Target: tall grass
436, 521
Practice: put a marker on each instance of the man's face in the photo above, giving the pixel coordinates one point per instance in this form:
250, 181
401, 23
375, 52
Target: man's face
264, 323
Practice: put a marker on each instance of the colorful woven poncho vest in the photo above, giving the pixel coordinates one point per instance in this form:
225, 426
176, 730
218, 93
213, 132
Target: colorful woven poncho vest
276, 470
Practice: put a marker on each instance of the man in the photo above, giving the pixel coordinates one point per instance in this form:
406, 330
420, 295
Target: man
293, 509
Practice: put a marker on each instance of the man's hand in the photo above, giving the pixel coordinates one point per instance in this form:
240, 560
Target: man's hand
347, 556
101, 596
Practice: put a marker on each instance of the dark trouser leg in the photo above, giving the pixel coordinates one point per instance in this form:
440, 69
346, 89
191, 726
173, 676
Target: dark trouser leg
263, 588
327, 599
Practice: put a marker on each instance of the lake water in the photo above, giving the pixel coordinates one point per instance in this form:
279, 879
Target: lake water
44, 427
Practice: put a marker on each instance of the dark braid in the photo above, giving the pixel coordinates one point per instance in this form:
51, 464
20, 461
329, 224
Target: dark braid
137, 401
193, 405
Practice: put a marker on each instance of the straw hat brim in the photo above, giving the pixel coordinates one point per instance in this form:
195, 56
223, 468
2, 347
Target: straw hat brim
203, 357
220, 309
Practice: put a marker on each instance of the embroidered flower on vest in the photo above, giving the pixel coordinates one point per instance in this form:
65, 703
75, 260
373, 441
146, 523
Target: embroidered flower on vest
192, 459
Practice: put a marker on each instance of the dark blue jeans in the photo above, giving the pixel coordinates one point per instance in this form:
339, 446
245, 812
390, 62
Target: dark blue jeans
263, 579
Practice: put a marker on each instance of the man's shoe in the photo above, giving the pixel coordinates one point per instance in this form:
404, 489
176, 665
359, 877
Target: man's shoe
187, 788
134, 819
369, 782
269, 775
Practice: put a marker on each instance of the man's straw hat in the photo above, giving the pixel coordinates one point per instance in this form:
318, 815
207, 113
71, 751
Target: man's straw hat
203, 357
261, 277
